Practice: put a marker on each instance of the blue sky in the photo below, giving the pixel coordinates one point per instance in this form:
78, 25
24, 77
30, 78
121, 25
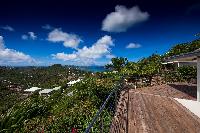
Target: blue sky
90, 33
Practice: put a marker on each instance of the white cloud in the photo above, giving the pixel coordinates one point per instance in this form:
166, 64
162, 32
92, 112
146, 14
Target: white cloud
2, 46
8, 56
110, 56
97, 50
64, 57
29, 35
8, 28
68, 40
24, 37
89, 55
32, 35
133, 45
47, 27
123, 18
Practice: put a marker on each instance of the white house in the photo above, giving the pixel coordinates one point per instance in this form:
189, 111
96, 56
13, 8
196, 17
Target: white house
47, 91
32, 89
43, 91
73, 82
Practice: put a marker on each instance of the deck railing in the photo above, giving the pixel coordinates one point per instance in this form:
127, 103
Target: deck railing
99, 122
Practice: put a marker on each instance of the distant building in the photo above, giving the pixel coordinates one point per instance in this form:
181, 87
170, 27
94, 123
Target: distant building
48, 91
42, 91
45, 91
73, 82
32, 89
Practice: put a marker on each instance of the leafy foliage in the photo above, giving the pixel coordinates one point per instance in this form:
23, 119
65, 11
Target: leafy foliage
75, 106
8, 99
183, 74
117, 64
147, 67
131, 68
183, 48
187, 73
150, 66
61, 111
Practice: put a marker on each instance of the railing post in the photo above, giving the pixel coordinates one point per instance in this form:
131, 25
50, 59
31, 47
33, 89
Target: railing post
115, 100
98, 114
101, 119
127, 112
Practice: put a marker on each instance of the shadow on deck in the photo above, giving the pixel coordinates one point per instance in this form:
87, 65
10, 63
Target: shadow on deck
190, 90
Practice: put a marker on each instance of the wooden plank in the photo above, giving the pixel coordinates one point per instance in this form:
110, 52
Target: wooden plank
150, 113
158, 114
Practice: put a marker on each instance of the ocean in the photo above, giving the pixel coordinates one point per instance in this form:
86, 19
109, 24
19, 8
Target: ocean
93, 68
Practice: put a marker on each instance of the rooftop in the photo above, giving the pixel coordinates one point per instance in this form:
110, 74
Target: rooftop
32, 89
74, 81
191, 56
47, 91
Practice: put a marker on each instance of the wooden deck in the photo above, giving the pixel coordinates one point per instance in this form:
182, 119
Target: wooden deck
148, 113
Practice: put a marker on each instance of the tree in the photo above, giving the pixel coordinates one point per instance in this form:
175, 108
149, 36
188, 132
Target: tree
117, 63
149, 67
131, 69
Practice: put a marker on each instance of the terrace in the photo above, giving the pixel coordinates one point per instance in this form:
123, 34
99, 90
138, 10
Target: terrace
165, 108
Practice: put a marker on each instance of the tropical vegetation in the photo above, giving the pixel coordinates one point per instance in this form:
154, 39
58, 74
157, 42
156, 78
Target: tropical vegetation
75, 106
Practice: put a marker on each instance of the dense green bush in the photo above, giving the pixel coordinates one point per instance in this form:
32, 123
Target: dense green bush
172, 76
182, 74
8, 98
75, 106
61, 112
187, 73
